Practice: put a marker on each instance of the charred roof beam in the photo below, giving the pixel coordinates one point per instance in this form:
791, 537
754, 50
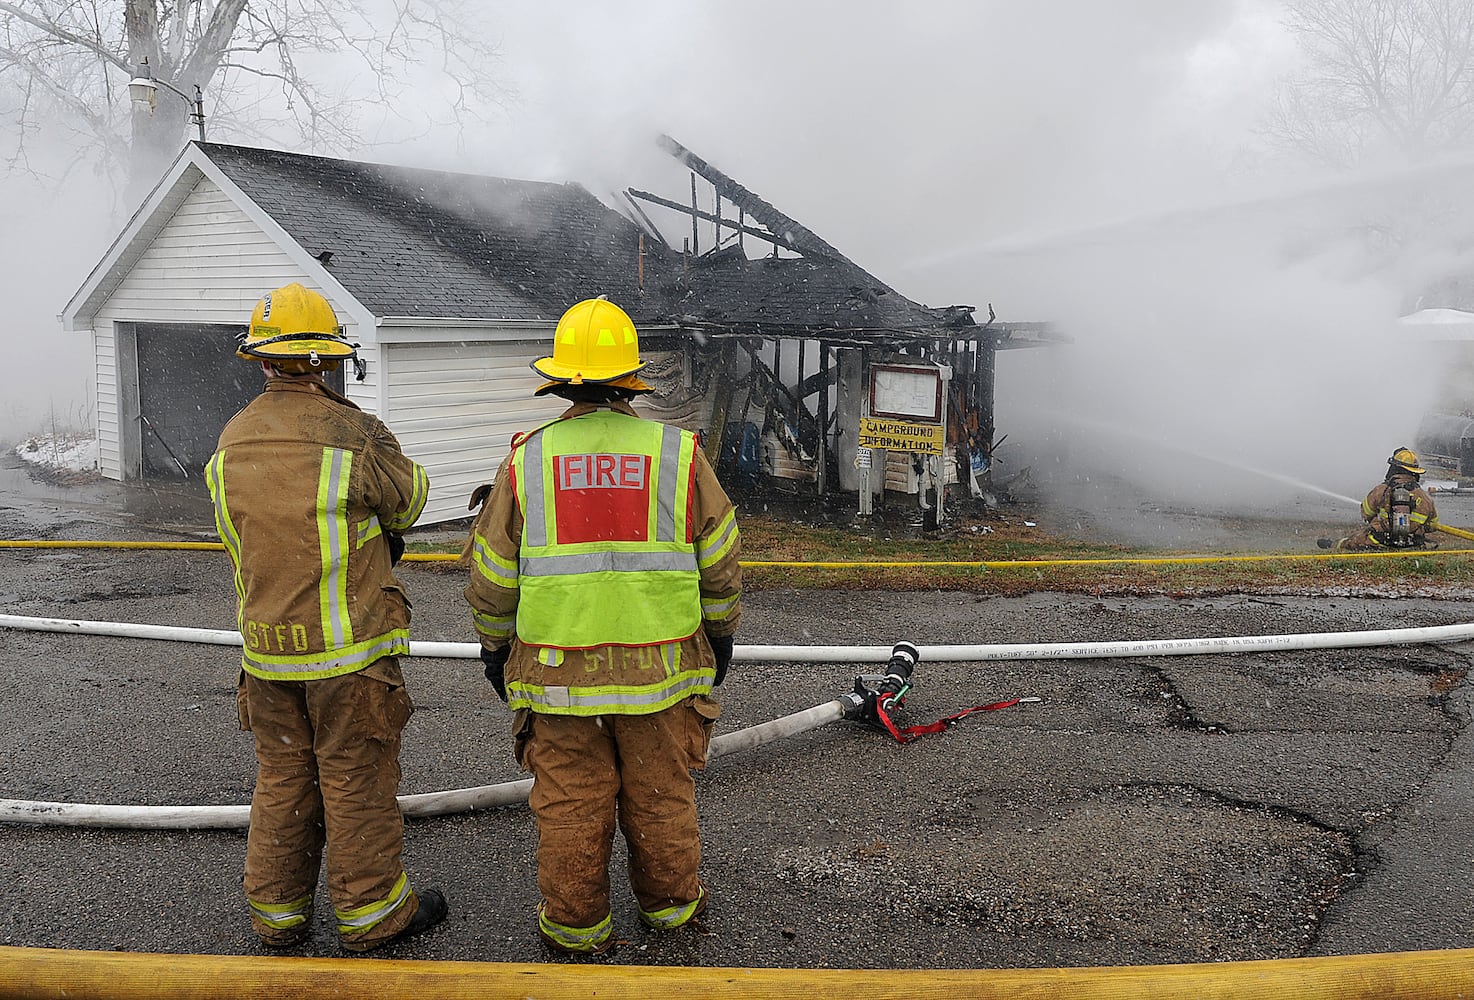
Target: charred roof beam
836, 337
709, 217
644, 220
793, 235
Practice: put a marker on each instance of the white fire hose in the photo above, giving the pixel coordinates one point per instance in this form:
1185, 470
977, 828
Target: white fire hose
852, 654
457, 800
516, 792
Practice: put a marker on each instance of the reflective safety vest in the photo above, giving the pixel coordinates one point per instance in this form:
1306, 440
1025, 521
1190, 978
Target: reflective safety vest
607, 554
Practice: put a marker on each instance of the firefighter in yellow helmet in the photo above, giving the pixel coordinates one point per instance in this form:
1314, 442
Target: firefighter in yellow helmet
311, 495
606, 589
1396, 514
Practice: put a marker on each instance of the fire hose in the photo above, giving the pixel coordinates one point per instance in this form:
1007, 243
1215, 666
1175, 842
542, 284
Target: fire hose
424, 804
959, 653
876, 698
852, 705
32, 973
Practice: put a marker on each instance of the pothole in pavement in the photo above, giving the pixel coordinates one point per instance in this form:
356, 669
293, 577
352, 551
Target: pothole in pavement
1144, 865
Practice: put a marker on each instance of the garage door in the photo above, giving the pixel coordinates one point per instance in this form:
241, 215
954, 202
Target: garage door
189, 384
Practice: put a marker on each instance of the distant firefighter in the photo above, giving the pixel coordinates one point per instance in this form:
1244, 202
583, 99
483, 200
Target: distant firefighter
1396, 514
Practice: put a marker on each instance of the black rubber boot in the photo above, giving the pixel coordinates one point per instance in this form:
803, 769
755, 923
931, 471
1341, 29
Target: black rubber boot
433, 909
431, 912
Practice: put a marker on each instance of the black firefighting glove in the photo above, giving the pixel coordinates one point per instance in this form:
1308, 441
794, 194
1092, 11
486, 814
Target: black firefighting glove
396, 547
495, 661
722, 647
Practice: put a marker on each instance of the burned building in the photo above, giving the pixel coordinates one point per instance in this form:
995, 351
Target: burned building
781, 341
451, 283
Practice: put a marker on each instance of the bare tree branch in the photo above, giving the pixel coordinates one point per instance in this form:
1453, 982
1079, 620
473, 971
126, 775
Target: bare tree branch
255, 59
1391, 76
205, 57
48, 27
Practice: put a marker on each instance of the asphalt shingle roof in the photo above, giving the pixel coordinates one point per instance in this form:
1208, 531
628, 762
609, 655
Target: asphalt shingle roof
409, 242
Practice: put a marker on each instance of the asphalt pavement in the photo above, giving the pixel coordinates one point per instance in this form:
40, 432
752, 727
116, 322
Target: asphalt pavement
1146, 810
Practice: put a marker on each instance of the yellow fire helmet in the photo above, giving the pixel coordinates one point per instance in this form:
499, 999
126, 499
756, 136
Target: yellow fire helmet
595, 342
1407, 460
296, 330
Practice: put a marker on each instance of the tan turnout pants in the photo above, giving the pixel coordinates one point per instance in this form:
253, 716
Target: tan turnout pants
327, 754
1361, 540
633, 770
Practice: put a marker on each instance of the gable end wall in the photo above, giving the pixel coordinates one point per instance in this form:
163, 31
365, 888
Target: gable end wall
209, 264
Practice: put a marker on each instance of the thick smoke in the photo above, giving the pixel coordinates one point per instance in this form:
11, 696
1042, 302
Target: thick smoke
1061, 161
54, 235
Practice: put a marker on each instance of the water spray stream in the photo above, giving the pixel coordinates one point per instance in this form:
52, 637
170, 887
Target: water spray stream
1156, 442
1339, 185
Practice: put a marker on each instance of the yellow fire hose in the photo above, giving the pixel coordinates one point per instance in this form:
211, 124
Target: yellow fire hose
31, 973
989, 564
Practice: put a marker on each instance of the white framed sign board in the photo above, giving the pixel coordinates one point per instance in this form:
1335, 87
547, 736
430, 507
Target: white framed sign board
906, 392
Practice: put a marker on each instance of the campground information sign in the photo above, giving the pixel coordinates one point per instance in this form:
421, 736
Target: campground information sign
901, 435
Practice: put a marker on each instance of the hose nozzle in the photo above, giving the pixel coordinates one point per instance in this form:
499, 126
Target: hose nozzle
878, 695
904, 657
892, 692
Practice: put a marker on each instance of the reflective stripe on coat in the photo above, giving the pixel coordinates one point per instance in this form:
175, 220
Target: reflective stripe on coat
305, 485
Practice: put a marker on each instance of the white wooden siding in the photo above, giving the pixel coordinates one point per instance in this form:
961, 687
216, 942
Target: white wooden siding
105, 380
209, 264
454, 407
366, 395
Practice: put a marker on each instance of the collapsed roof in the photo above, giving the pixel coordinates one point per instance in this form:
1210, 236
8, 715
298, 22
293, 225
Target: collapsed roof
411, 243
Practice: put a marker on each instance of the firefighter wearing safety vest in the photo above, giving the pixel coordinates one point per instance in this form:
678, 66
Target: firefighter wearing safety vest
606, 589
311, 497
1396, 514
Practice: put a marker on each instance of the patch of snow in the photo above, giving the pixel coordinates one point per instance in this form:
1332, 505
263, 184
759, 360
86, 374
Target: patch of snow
1438, 325
1437, 317
72, 451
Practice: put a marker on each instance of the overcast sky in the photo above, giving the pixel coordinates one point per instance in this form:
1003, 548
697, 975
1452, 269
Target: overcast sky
894, 130
928, 142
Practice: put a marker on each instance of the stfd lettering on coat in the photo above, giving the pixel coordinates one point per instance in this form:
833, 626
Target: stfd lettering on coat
622, 659
601, 497
276, 637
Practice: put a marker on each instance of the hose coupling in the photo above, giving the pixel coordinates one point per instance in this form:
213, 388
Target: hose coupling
852, 704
